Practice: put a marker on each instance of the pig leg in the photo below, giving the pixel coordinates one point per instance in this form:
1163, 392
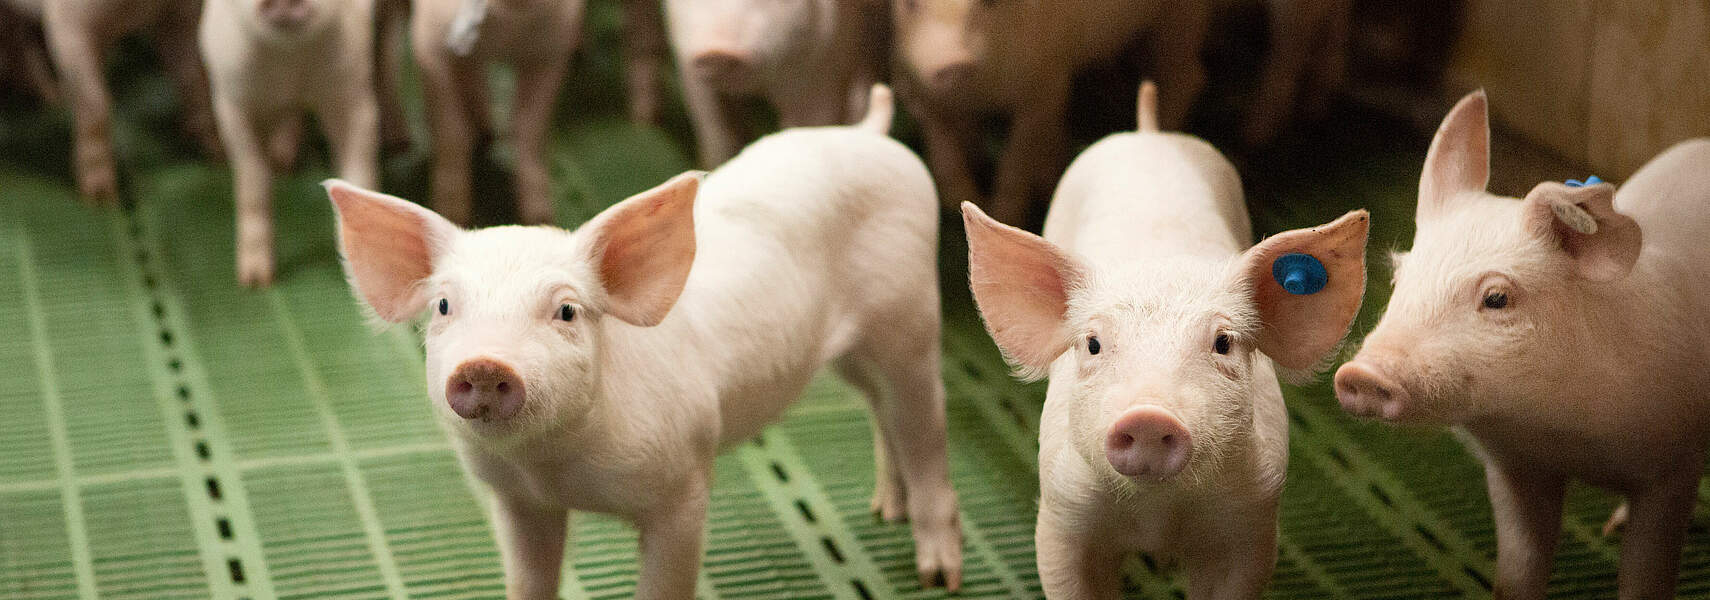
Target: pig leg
948, 138
531, 543
175, 39
1292, 42
1033, 152
390, 17
912, 418
284, 141
254, 191
671, 546
1656, 529
889, 497
643, 52
1239, 571
351, 123
77, 55
537, 89
1175, 47
1071, 566
1527, 507
453, 132
720, 131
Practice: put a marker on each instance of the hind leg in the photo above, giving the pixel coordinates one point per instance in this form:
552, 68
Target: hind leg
912, 418
889, 492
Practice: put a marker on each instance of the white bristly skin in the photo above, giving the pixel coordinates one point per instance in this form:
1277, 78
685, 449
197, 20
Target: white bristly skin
1146, 252
267, 68
79, 34
536, 39
813, 247
959, 61
813, 60
1566, 353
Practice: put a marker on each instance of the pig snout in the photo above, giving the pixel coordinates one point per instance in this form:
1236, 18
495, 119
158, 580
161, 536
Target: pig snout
286, 14
725, 68
1147, 441
1366, 390
952, 78
484, 389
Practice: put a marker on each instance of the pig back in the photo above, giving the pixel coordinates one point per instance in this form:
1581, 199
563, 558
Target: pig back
1670, 199
1137, 195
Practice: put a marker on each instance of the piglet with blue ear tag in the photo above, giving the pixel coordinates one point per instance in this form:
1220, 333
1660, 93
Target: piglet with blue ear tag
1568, 332
1162, 328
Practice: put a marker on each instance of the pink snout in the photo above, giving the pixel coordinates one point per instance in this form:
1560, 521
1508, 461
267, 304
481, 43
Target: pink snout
484, 389
286, 14
1147, 441
1365, 390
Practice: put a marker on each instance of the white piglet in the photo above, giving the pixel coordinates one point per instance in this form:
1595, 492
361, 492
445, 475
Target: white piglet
1567, 333
596, 370
269, 61
1164, 429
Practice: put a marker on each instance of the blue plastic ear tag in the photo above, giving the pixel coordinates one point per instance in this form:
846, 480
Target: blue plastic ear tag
1592, 180
1299, 274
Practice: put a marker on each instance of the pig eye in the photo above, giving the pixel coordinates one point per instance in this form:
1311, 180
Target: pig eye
1496, 300
1221, 346
566, 313
444, 306
1092, 344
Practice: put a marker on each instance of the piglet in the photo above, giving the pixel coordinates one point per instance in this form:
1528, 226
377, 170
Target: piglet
813, 60
454, 41
602, 369
1566, 333
79, 33
269, 60
967, 59
1164, 429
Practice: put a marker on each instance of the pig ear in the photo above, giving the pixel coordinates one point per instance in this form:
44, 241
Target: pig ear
1459, 158
643, 248
1307, 285
389, 245
1604, 244
1021, 283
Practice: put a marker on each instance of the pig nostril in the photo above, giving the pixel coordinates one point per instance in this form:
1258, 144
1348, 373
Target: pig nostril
1124, 441
503, 387
464, 387
1169, 440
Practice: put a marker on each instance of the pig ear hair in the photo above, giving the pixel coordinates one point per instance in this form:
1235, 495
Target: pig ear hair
1307, 285
1021, 283
1459, 158
389, 245
1604, 244
643, 247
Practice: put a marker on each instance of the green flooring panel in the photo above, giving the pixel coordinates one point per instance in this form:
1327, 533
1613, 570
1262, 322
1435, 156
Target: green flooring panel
171, 435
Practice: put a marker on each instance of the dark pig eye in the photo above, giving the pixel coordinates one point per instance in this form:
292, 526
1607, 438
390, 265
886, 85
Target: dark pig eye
1496, 300
444, 306
1221, 346
1092, 344
566, 313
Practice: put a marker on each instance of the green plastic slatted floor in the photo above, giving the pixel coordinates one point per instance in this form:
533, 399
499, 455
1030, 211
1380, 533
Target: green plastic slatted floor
167, 434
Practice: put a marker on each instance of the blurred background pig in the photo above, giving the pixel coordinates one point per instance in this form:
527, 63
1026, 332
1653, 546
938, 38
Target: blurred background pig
1566, 333
964, 59
79, 34
271, 60
811, 60
23, 50
596, 370
1164, 429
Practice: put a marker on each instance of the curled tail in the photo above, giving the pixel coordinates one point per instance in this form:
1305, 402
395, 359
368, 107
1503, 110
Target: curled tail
1148, 107
880, 108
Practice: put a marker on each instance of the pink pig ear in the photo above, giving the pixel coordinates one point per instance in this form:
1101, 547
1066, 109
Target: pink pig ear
1021, 283
1459, 158
1307, 284
1604, 244
389, 245
643, 248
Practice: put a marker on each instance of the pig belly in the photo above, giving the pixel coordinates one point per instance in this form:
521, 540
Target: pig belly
1618, 460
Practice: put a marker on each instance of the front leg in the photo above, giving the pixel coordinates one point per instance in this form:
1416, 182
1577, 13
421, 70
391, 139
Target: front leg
76, 53
1527, 507
720, 131
1656, 528
949, 136
1239, 571
531, 546
175, 38
1072, 566
1032, 154
643, 53
671, 544
351, 122
537, 91
242, 133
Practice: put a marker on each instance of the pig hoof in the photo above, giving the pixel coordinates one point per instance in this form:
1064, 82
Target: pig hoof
99, 189
1617, 520
938, 555
888, 506
253, 272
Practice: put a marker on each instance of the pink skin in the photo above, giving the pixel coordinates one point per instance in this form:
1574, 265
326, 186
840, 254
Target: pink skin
1565, 340
962, 60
